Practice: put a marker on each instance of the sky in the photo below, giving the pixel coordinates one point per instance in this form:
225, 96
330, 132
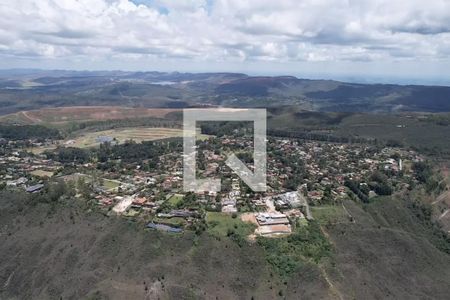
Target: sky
379, 40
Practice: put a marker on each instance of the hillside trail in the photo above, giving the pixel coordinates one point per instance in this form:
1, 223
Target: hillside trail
31, 118
444, 214
333, 289
441, 197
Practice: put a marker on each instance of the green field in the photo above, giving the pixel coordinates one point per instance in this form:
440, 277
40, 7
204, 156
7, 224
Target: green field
175, 199
110, 184
41, 173
175, 221
329, 214
89, 139
221, 224
106, 184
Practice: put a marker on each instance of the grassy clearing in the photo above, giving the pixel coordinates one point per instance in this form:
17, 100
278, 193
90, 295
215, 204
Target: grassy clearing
222, 225
131, 213
175, 221
303, 222
329, 214
138, 134
175, 199
39, 150
104, 183
64, 115
41, 173
110, 184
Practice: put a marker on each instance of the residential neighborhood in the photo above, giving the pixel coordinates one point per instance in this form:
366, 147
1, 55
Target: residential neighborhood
300, 174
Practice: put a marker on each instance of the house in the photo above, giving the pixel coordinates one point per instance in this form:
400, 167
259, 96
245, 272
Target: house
290, 199
271, 219
104, 139
164, 227
138, 202
105, 201
34, 188
315, 195
229, 205
179, 213
259, 202
17, 182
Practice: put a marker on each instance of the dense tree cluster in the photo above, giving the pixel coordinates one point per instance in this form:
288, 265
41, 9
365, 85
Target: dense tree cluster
355, 188
380, 184
425, 175
69, 155
128, 152
238, 128
306, 135
24, 132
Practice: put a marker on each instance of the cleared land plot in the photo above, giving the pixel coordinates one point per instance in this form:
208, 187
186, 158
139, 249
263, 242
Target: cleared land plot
110, 184
334, 214
107, 184
175, 199
39, 150
41, 173
273, 230
62, 115
220, 224
122, 206
249, 218
137, 134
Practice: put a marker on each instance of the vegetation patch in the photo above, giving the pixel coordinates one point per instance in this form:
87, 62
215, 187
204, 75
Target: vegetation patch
64, 115
24, 132
41, 173
306, 244
329, 214
222, 225
138, 134
411, 215
175, 221
110, 184
175, 200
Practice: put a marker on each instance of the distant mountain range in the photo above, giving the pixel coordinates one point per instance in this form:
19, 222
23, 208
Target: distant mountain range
35, 89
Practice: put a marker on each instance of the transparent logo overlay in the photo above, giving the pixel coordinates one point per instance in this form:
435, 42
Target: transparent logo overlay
255, 180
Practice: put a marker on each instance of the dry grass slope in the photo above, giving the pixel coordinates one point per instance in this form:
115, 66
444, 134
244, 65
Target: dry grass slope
62, 115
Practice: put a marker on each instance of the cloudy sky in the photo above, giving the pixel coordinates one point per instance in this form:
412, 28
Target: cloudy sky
312, 38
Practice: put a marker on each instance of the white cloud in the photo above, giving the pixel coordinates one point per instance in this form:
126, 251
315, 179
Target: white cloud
226, 30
